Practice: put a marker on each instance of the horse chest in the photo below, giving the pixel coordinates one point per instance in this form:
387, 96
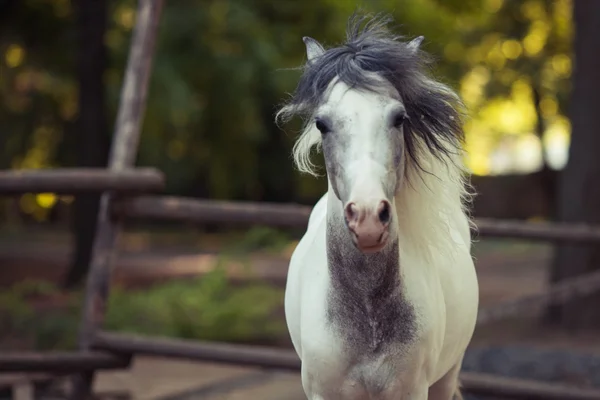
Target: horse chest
370, 324
375, 333
366, 306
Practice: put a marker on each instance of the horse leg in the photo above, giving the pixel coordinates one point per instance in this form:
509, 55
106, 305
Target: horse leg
448, 386
310, 391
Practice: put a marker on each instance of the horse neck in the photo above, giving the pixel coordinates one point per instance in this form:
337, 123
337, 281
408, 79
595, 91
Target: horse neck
429, 206
352, 271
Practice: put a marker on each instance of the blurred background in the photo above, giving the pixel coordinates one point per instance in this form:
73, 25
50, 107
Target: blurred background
221, 69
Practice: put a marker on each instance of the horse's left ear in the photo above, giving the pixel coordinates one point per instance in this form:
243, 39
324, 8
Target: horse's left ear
414, 44
313, 48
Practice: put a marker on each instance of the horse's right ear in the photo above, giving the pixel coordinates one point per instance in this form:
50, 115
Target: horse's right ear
414, 44
313, 48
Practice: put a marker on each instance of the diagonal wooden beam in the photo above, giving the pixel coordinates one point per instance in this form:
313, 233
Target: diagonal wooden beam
122, 156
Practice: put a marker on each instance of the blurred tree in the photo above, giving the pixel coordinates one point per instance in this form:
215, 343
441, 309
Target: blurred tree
91, 127
579, 192
217, 127
37, 93
526, 46
24, 88
222, 67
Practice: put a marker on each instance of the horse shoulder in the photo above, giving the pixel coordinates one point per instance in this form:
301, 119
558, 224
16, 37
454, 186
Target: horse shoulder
461, 293
307, 263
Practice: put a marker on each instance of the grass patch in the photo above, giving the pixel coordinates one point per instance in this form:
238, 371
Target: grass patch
35, 315
206, 308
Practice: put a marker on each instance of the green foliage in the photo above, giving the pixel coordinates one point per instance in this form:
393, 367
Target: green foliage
55, 330
259, 238
206, 308
222, 67
43, 329
14, 312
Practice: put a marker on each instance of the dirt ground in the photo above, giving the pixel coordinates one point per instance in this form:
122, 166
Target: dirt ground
506, 270
164, 379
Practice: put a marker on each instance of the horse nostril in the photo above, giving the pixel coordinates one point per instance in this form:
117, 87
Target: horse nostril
351, 212
383, 211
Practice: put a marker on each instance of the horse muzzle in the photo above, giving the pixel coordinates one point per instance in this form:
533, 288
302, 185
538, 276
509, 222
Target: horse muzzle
369, 224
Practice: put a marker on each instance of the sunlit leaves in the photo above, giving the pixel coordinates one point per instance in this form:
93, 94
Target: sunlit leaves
460, 6
39, 205
561, 64
126, 17
536, 38
454, 51
62, 8
472, 86
493, 6
555, 140
512, 49
520, 41
549, 106
14, 55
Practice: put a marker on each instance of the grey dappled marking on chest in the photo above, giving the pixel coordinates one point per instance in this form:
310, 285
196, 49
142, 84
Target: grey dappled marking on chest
366, 304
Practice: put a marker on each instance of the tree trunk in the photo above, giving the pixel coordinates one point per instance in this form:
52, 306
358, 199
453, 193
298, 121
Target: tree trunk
579, 187
6, 8
91, 127
280, 186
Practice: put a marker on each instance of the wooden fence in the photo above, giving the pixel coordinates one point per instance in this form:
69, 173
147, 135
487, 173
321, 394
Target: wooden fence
122, 186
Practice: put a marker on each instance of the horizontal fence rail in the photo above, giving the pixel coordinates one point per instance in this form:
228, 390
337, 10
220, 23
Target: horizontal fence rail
558, 293
208, 211
294, 215
281, 359
265, 357
538, 231
61, 362
79, 180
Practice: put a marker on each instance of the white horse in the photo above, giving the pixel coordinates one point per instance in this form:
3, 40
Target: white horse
382, 295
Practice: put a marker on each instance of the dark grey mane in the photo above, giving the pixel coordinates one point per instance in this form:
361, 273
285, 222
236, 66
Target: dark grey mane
433, 110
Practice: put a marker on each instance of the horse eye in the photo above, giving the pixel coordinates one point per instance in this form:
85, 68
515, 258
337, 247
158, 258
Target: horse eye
399, 119
322, 127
